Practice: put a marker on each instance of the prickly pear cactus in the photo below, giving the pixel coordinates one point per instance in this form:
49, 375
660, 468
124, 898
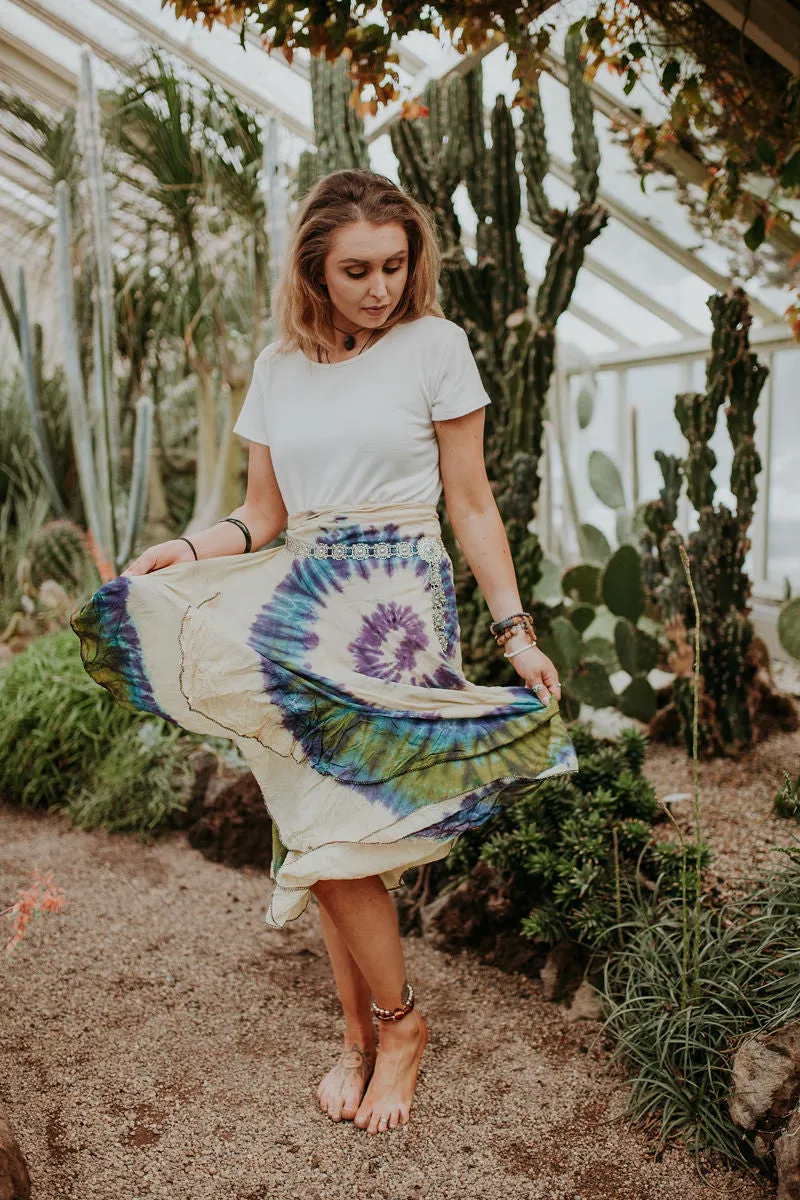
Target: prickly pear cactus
59, 551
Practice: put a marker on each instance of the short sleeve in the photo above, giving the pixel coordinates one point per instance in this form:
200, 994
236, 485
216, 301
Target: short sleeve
252, 420
459, 388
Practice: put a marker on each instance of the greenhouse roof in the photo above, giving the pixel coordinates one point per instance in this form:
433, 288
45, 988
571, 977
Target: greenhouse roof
643, 290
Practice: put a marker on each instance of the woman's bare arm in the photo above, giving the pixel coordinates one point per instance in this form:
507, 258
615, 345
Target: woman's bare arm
481, 534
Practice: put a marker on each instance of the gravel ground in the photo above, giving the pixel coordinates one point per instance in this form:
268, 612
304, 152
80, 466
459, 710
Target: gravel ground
159, 1041
736, 814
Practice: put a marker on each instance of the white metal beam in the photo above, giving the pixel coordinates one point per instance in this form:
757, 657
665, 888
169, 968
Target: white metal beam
679, 160
774, 25
26, 69
766, 339
674, 250
599, 269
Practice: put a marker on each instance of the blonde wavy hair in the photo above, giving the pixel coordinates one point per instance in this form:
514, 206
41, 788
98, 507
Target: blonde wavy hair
301, 306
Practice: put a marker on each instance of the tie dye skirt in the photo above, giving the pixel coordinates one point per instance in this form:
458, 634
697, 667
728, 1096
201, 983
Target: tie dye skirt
342, 687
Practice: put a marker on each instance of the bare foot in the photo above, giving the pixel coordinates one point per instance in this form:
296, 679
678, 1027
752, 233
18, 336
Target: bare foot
341, 1090
387, 1100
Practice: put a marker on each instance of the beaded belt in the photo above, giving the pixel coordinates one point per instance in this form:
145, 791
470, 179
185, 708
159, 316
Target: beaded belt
431, 549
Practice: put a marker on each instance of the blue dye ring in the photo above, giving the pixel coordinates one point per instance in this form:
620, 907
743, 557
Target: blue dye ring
111, 649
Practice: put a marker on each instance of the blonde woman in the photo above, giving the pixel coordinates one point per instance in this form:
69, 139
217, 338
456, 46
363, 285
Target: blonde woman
333, 660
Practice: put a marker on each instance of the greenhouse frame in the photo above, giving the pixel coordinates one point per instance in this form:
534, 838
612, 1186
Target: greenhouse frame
637, 330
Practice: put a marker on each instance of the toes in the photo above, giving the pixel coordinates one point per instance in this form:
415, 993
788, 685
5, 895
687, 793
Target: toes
394, 1118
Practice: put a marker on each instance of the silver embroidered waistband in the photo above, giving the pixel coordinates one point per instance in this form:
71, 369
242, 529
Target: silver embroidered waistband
430, 549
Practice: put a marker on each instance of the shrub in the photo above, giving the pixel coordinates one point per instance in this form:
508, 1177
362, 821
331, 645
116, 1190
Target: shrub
577, 852
65, 744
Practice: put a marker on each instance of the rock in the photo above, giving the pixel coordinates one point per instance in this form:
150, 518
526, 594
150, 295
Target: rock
586, 1004
787, 1160
232, 825
15, 1181
563, 970
765, 1082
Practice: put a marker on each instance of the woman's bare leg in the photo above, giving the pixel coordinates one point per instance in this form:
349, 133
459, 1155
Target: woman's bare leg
340, 1092
366, 919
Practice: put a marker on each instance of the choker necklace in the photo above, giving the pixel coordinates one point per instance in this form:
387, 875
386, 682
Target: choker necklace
350, 340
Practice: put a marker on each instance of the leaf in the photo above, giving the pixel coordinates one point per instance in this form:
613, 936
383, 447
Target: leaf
756, 233
589, 683
548, 587
767, 152
625, 645
562, 644
582, 616
636, 50
582, 583
669, 76
594, 544
790, 176
789, 627
622, 584
630, 81
585, 407
595, 30
638, 700
605, 480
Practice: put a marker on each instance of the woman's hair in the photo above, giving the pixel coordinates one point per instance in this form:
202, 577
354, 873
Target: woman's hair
301, 305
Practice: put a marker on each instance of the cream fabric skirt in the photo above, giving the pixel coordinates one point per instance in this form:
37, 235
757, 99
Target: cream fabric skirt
341, 683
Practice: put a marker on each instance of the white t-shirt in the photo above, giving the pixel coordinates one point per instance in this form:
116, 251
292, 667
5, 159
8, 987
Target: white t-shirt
360, 431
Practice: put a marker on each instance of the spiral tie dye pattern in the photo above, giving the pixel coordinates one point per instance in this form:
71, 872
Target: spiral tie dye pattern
428, 548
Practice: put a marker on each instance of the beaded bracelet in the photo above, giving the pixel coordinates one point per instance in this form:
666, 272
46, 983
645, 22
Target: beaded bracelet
521, 621
395, 1014
498, 626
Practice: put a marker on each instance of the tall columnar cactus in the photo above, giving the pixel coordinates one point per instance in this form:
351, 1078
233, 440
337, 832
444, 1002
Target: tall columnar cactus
718, 548
514, 342
94, 405
338, 130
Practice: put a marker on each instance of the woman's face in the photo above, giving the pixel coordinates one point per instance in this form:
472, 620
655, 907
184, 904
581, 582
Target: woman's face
366, 270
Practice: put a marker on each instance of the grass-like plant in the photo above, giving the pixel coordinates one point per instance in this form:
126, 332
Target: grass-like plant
689, 982
65, 744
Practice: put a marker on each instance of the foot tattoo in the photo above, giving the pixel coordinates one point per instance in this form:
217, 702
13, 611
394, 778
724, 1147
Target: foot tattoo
340, 1092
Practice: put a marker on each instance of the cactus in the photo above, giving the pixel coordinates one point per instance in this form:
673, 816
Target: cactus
717, 549
59, 551
94, 410
339, 138
513, 340
789, 627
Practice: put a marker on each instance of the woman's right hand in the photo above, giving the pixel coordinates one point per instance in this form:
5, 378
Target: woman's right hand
154, 558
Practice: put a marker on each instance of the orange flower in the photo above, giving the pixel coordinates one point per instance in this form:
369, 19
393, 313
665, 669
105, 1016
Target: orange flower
29, 904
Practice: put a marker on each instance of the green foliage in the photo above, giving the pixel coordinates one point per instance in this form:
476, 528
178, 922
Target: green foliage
786, 802
678, 1051
789, 627
59, 551
717, 549
556, 847
138, 784
64, 743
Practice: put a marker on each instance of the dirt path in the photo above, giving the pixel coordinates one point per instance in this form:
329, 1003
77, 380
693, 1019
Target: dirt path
158, 1041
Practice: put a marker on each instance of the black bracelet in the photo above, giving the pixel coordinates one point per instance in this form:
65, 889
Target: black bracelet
248, 541
188, 543
498, 626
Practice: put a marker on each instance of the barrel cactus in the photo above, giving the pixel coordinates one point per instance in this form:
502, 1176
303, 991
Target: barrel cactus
59, 551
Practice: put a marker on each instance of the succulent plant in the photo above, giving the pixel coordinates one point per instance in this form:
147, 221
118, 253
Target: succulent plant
59, 551
718, 547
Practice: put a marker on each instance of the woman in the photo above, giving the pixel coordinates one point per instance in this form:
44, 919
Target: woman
333, 661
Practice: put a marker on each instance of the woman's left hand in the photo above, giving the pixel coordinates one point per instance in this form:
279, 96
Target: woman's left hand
536, 669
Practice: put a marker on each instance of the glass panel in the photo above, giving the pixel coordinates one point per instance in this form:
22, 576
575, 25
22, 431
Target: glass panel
783, 534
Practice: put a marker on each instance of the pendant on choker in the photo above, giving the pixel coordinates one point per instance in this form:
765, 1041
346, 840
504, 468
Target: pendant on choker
349, 342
